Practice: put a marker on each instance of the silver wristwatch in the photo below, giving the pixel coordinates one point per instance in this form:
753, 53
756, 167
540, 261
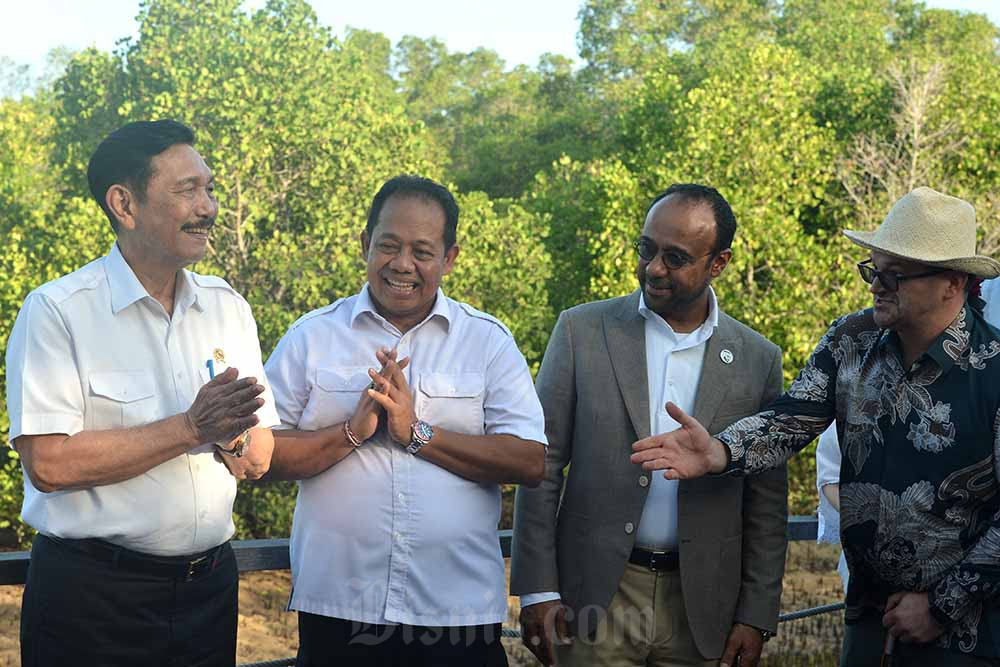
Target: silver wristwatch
420, 434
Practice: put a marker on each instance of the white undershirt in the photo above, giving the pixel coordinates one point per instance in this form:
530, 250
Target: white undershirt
673, 368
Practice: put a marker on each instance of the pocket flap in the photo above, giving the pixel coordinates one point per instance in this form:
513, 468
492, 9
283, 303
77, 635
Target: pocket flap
342, 379
123, 386
453, 385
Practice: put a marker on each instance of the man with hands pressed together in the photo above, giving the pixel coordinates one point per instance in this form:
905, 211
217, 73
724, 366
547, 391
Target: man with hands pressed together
914, 387
402, 413
120, 426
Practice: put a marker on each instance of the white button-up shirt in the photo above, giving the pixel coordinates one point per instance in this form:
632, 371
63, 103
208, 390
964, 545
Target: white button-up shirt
673, 369
92, 351
384, 536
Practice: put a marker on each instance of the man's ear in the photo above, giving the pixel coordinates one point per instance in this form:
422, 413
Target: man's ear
721, 261
956, 283
364, 245
449, 259
121, 202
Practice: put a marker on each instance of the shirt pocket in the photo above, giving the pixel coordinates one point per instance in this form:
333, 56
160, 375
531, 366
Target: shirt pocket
122, 398
452, 401
334, 395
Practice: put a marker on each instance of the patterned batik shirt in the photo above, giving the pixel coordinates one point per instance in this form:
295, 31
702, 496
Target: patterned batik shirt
919, 472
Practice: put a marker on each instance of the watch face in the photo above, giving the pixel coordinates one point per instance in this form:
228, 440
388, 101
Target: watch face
423, 430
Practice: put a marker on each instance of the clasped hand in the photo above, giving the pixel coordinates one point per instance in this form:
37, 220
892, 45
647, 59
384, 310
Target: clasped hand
224, 408
388, 395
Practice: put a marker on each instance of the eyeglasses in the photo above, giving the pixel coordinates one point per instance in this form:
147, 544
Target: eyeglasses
889, 281
673, 259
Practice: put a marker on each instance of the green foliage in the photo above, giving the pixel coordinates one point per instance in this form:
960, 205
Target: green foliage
503, 268
264, 509
594, 212
494, 129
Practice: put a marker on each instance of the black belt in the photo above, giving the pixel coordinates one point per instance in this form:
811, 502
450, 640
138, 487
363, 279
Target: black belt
657, 561
169, 567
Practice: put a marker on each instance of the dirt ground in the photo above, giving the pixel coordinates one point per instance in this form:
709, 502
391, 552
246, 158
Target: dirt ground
268, 632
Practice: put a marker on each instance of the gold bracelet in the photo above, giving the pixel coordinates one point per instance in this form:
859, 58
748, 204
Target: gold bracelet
349, 434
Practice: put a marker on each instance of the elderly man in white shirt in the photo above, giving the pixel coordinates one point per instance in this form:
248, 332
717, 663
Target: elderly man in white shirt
118, 421
395, 557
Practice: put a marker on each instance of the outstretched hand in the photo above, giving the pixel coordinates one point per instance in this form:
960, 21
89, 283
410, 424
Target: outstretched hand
685, 453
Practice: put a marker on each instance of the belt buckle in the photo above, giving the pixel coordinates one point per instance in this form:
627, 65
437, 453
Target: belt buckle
654, 560
192, 565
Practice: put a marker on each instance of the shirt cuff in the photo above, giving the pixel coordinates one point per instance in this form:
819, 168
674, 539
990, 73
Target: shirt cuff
949, 601
734, 466
537, 598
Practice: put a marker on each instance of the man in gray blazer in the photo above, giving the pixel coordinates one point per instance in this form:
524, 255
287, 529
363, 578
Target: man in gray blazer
616, 566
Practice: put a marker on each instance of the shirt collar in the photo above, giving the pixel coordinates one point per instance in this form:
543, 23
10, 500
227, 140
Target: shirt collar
122, 281
699, 335
126, 288
364, 304
953, 343
950, 345
186, 295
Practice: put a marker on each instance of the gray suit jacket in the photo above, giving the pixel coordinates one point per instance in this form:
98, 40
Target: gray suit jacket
573, 533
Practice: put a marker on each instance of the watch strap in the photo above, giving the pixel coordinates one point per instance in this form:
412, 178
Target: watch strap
239, 449
420, 434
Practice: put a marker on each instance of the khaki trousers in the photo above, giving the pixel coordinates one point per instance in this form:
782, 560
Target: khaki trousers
645, 625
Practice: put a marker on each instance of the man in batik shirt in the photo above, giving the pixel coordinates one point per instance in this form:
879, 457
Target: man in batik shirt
914, 386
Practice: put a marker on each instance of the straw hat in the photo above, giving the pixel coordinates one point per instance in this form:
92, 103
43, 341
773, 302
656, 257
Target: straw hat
931, 228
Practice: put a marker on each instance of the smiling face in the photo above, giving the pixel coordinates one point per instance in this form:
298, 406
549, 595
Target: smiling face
168, 228
680, 296
406, 258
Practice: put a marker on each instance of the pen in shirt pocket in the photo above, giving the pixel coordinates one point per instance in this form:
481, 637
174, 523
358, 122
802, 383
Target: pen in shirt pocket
218, 357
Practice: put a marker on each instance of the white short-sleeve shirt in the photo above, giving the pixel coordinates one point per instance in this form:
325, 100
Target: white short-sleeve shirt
384, 536
93, 350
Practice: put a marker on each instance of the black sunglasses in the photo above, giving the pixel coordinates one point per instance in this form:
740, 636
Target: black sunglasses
673, 259
889, 281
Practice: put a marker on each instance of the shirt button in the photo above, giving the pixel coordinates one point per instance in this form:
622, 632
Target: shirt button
401, 497
629, 527
643, 481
